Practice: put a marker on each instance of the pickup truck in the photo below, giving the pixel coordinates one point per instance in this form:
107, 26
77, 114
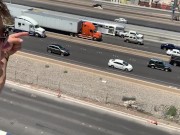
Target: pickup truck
134, 39
128, 33
168, 46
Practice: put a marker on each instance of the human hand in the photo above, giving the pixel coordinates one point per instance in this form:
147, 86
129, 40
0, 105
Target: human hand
13, 43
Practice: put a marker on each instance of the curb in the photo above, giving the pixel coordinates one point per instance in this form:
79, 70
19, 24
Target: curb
59, 95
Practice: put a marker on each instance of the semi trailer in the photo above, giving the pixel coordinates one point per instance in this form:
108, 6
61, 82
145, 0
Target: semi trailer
73, 26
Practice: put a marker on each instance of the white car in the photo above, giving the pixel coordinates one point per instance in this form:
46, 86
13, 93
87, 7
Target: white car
121, 20
120, 64
174, 52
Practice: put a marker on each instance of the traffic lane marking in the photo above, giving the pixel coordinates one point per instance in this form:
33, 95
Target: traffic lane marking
51, 95
107, 46
98, 72
142, 17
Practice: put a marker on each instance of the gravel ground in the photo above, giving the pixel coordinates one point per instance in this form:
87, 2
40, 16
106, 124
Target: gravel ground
91, 87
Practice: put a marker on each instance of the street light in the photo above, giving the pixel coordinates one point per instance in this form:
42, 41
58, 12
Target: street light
174, 5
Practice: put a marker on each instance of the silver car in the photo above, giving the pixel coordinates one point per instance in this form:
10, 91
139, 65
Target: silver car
134, 39
120, 64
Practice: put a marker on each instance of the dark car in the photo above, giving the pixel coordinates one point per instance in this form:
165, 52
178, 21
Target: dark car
97, 6
159, 64
168, 46
57, 49
175, 60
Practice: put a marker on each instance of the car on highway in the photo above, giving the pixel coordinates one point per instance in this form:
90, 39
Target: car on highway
120, 64
121, 20
175, 60
57, 49
98, 6
159, 64
134, 39
168, 46
173, 52
130, 33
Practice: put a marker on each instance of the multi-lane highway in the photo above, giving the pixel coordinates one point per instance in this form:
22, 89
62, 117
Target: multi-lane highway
30, 113
106, 4
98, 58
102, 57
102, 15
23, 113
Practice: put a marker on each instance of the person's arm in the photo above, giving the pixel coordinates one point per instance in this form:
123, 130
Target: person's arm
3, 66
13, 45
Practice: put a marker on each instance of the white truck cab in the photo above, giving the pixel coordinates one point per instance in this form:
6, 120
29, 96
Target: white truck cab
24, 23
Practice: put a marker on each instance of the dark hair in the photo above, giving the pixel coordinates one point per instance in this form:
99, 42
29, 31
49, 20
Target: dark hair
5, 14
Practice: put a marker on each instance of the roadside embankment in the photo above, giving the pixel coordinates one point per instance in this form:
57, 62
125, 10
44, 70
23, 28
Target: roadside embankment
81, 82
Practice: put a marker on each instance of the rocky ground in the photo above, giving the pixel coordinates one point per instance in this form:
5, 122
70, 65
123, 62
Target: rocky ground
136, 99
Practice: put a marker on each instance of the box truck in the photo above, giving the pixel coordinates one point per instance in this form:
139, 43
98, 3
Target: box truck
74, 26
24, 23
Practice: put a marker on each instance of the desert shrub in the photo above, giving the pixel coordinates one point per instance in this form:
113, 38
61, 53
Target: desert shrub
172, 111
128, 98
65, 71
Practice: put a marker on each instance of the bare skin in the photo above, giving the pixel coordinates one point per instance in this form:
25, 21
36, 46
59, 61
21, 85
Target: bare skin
12, 45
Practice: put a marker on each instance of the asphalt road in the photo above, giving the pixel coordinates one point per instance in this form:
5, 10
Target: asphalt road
148, 45
98, 58
31, 114
137, 21
138, 9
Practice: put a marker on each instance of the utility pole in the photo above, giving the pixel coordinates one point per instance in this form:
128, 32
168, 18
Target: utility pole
173, 11
174, 5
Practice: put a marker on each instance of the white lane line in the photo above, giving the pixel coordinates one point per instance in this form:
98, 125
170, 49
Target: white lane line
30, 89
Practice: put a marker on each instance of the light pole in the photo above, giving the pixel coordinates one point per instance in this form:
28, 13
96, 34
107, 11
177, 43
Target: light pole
174, 5
173, 11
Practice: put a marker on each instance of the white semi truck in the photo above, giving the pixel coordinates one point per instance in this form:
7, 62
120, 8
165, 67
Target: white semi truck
67, 24
57, 20
27, 24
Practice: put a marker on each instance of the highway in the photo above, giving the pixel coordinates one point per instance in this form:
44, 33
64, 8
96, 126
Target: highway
148, 45
119, 7
23, 113
98, 58
139, 71
101, 15
32, 113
